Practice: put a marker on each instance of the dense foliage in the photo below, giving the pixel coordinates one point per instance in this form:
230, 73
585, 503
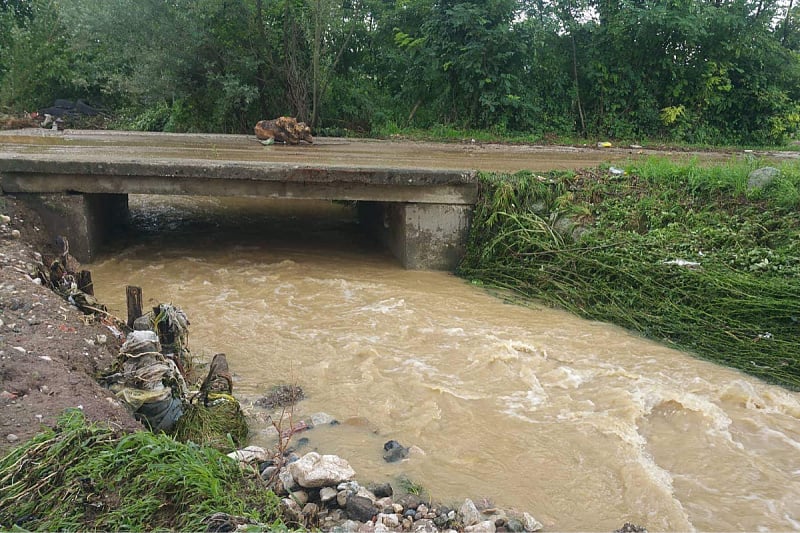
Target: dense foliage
680, 253
84, 477
703, 71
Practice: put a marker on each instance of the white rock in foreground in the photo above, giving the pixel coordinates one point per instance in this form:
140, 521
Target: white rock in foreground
314, 470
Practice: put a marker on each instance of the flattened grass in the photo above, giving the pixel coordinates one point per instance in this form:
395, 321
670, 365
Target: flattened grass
683, 254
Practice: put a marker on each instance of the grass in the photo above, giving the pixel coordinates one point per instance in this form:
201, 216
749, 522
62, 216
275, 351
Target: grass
449, 133
81, 476
683, 254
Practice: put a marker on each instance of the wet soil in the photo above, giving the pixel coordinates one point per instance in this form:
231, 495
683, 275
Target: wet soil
49, 350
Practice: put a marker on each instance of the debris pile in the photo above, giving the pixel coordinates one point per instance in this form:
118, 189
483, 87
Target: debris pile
283, 129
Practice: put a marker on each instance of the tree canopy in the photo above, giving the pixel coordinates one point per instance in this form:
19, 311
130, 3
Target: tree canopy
704, 71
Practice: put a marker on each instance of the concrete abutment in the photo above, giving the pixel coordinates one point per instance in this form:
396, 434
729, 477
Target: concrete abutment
87, 220
421, 236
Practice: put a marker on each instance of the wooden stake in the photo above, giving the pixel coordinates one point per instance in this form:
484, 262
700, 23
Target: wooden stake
85, 282
134, 298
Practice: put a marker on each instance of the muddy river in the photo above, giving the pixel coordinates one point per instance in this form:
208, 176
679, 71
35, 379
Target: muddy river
580, 423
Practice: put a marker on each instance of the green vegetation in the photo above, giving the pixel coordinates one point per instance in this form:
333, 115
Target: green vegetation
80, 477
685, 254
705, 72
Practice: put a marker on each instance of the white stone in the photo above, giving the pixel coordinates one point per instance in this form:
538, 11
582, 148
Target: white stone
486, 526
251, 454
392, 521
397, 508
320, 419
367, 527
530, 523
15, 234
12, 438
314, 470
5, 219
469, 513
424, 526
327, 494
288, 481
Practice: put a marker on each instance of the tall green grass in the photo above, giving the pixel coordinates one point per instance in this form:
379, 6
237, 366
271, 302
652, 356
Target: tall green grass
82, 476
683, 254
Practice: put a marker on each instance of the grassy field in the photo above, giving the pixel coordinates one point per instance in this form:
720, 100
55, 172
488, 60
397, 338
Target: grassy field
685, 254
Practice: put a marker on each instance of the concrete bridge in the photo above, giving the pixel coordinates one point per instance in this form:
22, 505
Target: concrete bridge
422, 215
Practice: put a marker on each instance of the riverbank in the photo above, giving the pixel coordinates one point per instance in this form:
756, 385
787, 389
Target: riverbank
705, 259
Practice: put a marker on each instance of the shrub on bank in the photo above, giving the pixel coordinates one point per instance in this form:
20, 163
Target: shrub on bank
681, 253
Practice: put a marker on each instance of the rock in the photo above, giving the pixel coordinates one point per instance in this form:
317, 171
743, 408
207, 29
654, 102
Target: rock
321, 419
291, 507
310, 509
15, 234
394, 451
468, 513
341, 498
381, 490
300, 496
250, 454
351, 486
314, 470
761, 178
487, 526
515, 526
12, 438
269, 472
347, 526
397, 508
424, 526
5, 219
386, 504
409, 501
530, 523
360, 508
327, 494
392, 521
364, 493
287, 480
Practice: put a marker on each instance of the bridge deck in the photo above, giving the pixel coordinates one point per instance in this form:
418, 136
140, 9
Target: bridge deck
219, 165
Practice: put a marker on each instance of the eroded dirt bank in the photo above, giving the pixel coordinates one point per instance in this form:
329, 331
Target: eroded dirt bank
49, 351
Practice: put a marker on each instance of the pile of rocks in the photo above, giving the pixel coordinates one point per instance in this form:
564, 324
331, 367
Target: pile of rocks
6, 230
319, 491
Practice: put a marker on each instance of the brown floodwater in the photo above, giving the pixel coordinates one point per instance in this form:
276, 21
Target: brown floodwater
580, 423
